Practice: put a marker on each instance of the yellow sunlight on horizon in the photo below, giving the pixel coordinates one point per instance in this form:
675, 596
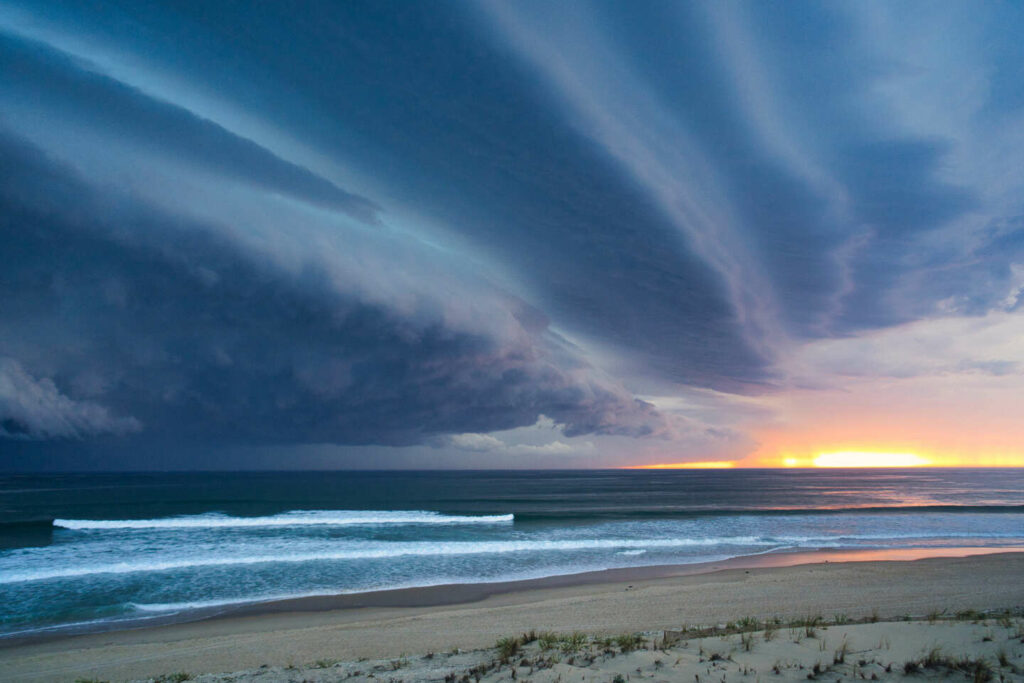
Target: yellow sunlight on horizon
845, 458
896, 457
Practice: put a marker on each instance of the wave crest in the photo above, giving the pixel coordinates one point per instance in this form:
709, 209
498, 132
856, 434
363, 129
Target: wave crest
384, 551
286, 519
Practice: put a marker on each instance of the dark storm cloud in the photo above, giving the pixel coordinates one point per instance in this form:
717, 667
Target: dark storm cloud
366, 223
827, 205
35, 409
909, 210
132, 311
463, 135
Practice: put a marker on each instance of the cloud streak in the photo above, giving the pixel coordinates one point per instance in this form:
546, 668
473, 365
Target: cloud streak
426, 227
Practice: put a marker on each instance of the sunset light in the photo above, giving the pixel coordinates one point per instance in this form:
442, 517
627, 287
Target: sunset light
601, 317
710, 465
827, 459
869, 459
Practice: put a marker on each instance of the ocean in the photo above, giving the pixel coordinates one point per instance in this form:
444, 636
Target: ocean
124, 548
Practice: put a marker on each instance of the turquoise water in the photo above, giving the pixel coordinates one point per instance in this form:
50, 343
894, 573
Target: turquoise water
124, 547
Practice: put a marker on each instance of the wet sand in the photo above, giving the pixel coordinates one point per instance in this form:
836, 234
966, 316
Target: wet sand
416, 621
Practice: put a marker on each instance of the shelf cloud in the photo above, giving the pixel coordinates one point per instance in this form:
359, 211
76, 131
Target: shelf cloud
365, 225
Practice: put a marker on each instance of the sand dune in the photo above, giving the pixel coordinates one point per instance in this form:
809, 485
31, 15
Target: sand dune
974, 648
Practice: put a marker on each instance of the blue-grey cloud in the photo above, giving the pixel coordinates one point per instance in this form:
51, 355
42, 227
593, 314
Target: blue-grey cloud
377, 224
34, 409
456, 129
48, 80
169, 324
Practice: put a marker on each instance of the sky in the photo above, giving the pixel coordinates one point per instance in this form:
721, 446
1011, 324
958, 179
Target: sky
492, 234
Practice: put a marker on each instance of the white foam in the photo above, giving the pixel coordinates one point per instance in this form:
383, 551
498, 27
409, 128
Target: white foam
286, 519
370, 551
174, 607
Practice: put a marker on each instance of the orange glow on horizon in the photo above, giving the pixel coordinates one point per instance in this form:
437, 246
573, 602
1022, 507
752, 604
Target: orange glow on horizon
708, 465
869, 459
844, 458
883, 457
945, 422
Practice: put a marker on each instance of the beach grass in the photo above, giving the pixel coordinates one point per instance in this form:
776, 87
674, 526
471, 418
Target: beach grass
931, 646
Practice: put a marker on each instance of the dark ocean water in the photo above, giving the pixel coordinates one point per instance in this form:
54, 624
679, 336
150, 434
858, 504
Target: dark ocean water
129, 546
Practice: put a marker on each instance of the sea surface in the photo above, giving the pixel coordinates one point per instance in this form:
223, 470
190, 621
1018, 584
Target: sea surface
125, 547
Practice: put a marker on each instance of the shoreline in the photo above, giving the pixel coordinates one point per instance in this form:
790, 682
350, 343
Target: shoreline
300, 632
453, 594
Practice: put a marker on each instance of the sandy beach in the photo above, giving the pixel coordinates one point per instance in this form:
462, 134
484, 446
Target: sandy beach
288, 639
